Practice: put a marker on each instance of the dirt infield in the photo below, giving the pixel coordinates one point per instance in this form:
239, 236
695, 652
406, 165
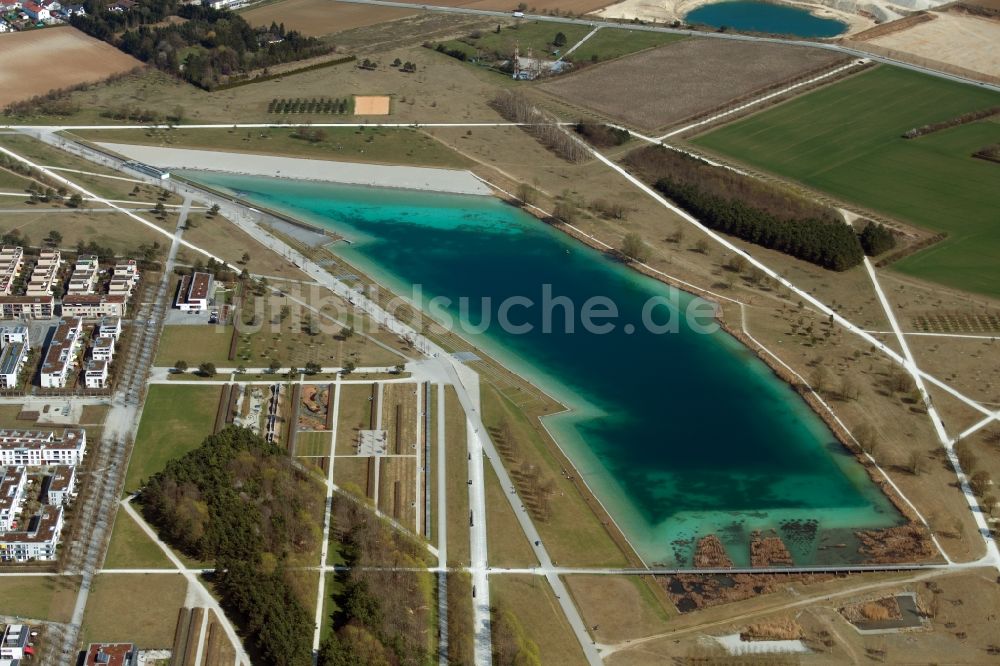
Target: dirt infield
957, 39
656, 88
371, 105
322, 17
43, 60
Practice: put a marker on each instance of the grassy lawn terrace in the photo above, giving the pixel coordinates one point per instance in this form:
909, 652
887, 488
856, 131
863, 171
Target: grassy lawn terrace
175, 420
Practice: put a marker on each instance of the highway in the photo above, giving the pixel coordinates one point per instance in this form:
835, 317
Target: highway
595, 22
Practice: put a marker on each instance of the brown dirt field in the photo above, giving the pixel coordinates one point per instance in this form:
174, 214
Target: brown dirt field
956, 39
397, 501
71, 57
403, 396
622, 607
655, 88
371, 105
315, 18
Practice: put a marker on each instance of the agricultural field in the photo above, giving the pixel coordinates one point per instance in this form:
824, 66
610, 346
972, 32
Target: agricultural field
578, 7
315, 18
610, 44
684, 79
957, 39
846, 139
71, 58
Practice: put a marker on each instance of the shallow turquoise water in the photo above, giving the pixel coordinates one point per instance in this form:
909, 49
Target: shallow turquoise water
679, 434
768, 17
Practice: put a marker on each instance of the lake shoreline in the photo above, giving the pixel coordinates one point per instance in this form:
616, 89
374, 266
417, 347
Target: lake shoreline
780, 371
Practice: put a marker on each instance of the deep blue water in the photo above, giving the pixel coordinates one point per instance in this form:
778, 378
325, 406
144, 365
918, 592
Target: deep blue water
679, 434
768, 17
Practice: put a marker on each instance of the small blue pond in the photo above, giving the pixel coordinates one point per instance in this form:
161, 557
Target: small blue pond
756, 16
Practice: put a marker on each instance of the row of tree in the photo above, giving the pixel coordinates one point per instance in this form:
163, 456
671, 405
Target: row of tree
517, 108
601, 135
314, 105
237, 500
749, 209
962, 119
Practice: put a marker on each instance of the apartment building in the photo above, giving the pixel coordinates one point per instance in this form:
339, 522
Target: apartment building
11, 262
37, 541
13, 481
38, 448
60, 357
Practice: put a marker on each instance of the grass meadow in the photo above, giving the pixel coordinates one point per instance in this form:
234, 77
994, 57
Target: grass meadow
846, 139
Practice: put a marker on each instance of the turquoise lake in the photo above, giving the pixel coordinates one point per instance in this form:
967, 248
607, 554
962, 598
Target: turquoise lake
679, 434
766, 17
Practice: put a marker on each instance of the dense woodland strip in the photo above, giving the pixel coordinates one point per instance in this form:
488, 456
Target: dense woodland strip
204, 46
749, 209
236, 500
381, 617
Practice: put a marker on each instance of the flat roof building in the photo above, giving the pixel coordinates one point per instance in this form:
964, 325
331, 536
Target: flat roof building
27, 307
94, 306
12, 360
111, 654
59, 487
38, 541
60, 357
12, 483
194, 292
35, 448
96, 375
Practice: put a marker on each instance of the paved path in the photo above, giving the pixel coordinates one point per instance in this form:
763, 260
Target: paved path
992, 552
192, 575
579, 43
327, 513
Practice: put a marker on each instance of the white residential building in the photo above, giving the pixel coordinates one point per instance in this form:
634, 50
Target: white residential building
59, 487
11, 262
36, 448
44, 275
94, 306
27, 307
60, 357
14, 333
194, 292
103, 349
37, 541
96, 375
110, 327
12, 360
12, 483
16, 637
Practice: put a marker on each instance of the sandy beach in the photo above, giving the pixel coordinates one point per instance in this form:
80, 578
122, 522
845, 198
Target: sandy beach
450, 181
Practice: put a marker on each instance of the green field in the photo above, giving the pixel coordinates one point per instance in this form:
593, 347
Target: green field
846, 139
131, 548
195, 344
148, 620
538, 38
175, 420
39, 597
608, 44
